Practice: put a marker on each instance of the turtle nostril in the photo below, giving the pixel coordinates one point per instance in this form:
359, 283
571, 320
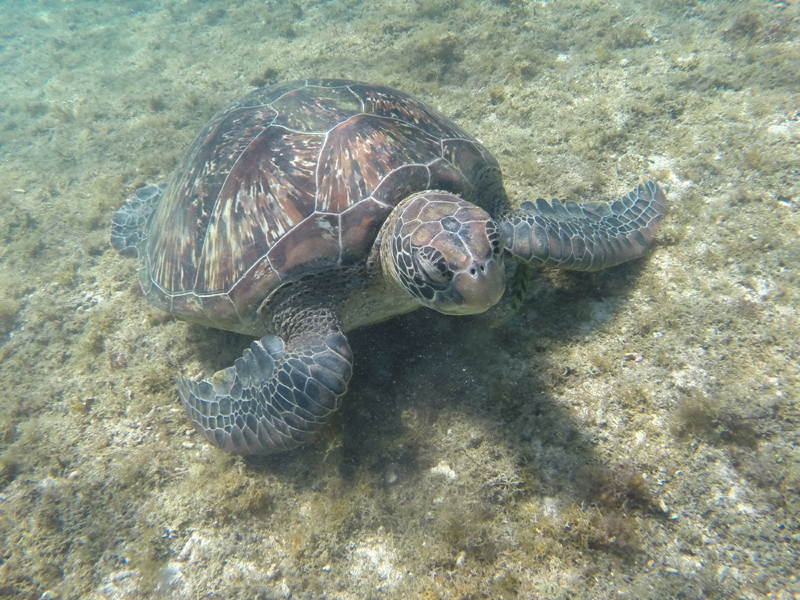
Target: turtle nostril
477, 269
474, 269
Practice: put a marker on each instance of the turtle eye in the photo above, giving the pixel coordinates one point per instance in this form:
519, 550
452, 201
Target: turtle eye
433, 265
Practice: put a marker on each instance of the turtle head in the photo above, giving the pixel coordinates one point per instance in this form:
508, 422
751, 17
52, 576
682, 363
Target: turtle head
447, 253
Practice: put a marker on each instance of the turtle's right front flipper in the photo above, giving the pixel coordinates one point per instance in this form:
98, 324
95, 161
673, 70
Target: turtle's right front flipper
588, 236
276, 396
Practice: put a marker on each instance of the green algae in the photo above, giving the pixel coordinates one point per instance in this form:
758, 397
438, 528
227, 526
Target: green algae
529, 460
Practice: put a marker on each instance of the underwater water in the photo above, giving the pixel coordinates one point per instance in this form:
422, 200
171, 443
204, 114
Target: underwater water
629, 434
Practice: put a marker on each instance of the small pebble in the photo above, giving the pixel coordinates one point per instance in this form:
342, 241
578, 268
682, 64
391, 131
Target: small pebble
186, 551
390, 476
444, 470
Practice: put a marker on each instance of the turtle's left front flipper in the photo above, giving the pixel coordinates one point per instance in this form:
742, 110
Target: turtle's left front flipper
588, 236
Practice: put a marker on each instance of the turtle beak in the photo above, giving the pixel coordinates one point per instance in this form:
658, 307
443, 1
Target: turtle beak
477, 288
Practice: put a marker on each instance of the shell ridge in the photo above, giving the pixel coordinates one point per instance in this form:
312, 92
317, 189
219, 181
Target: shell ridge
286, 93
339, 238
413, 125
234, 109
425, 166
360, 99
388, 130
444, 140
318, 175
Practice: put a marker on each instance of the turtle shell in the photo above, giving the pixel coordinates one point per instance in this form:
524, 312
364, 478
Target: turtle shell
288, 180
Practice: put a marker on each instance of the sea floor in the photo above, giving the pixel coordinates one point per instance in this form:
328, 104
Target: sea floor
627, 434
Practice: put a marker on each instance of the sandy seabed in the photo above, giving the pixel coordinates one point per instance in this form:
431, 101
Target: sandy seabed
628, 434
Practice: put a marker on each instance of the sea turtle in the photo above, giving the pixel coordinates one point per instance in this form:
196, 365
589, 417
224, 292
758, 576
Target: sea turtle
307, 209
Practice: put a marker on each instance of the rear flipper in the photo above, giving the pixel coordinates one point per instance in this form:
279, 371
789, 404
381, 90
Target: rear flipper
274, 398
588, 236
128, 223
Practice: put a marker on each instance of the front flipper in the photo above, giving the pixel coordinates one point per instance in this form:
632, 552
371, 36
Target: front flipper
588, 236
275, 397
128, 223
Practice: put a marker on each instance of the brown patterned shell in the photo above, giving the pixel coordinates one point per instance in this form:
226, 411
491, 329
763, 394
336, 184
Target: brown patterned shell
291, 179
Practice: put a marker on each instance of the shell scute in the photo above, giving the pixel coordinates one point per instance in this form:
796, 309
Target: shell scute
315, 108
264, 197
312, 245
361, 152
225, 315
360, 225
467, 156
178, 228
388, 102
249, 290
401, 183
187, 304
447, 176
264, 96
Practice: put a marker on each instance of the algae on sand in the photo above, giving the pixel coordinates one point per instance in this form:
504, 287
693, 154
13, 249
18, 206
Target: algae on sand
529, 460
